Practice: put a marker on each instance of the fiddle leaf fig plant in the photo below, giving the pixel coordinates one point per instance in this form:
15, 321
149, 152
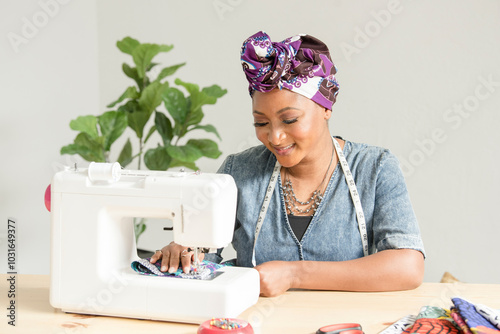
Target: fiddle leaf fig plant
187, 114
135, 107
149, 94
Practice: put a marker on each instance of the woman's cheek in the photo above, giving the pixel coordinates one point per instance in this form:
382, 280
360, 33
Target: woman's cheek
261, 135
302, 131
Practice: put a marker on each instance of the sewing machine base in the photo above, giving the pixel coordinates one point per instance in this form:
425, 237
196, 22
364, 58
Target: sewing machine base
132, 295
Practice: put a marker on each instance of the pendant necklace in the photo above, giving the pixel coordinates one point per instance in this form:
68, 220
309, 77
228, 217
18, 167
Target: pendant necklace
291, 201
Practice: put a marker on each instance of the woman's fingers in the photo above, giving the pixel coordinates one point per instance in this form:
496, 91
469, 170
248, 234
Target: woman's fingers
174, 260
156, 256
186, 257
173, 255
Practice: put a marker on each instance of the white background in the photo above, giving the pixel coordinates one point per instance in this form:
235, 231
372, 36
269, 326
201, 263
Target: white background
406, 68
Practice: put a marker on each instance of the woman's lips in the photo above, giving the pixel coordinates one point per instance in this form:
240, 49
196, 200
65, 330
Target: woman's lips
284, 150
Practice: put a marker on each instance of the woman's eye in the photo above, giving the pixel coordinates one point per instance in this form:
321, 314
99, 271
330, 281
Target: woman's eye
258, 125
290, 121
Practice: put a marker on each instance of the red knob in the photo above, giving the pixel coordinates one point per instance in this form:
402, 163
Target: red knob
47, 198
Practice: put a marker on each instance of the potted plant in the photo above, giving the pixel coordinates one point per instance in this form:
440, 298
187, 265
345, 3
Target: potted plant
141, 102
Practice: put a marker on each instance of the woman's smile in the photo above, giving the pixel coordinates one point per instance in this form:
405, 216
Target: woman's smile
284, 150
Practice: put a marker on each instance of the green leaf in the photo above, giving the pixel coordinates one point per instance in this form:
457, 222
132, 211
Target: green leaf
207, 147
143, 54
214, 91
137, 120
166, 48
125, 156
198, 98
190, 87
150, 133
188, 152
139, 228
69, 149
151, 66
83, 151
176, 104
207, 128
152, 96
157, 158
112, 124
130, 93
167, 71
131, 106
87, 147
95, 144
127, 45
131, 72
178, 163
177, 130
194, 117
164, 127
85, 124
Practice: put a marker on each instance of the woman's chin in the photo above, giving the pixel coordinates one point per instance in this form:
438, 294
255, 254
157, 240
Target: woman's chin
286, 161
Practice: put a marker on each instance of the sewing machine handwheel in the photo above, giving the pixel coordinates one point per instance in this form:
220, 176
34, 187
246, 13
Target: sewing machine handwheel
225, 325
47, 198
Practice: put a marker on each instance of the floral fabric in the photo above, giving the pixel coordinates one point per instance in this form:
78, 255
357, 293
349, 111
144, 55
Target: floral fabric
464, 317
205, 270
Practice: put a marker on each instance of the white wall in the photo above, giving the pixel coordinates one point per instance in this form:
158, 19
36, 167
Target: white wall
399, 84
403, 77
49, 75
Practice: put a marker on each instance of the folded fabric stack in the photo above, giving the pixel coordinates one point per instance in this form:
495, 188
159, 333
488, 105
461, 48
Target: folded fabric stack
205, 270
463, 317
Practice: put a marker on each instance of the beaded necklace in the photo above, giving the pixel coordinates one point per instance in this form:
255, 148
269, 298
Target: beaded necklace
291, 200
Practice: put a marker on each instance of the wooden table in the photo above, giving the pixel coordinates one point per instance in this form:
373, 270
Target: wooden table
296, 311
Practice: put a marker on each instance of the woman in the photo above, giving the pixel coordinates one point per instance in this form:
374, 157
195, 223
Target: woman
314, 211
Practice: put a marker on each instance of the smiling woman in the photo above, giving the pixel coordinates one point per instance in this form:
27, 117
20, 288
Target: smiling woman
314, 211
287, 122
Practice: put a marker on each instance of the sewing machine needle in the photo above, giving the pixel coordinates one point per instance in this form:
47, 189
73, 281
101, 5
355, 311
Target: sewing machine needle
196, 259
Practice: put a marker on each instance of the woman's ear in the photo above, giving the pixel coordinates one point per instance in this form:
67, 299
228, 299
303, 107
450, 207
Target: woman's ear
328, 114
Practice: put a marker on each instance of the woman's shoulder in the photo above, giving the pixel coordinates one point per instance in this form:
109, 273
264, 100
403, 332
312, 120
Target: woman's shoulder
255, 159
365, 155
364, 149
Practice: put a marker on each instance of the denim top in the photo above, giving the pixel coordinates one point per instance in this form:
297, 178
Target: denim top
333, 233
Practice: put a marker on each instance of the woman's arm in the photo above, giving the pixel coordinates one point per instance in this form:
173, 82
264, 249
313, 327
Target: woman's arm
388, 270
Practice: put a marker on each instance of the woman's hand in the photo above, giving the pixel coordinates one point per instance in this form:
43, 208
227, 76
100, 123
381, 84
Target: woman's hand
172, 255
276, 277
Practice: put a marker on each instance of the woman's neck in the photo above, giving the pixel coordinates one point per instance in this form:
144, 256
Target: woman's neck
315, 165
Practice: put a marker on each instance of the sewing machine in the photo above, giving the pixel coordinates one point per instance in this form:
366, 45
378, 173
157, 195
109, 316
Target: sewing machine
93, 243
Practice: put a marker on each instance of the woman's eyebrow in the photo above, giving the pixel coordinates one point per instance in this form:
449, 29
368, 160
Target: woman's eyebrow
278, 112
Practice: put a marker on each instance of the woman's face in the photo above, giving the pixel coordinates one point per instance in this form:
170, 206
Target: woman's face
290, 125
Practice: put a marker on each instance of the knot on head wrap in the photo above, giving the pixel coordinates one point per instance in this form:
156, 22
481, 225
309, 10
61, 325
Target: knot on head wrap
300, 63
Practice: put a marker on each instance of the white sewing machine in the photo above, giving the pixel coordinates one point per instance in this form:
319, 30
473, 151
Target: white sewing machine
93, 244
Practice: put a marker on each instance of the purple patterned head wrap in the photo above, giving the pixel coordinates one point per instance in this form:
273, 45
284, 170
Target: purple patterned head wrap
300, 63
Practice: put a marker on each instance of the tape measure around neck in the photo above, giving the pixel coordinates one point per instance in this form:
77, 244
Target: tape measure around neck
352, 189
354, 196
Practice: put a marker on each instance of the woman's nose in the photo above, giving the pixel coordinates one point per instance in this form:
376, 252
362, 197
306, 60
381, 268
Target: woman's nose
276, 135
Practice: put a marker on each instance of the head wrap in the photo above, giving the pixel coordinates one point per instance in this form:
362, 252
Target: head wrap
300, 63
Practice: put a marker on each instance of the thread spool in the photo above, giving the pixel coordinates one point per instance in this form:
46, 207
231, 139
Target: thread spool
102, 171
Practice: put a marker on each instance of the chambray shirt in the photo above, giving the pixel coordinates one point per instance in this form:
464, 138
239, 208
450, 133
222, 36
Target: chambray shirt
333, 233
